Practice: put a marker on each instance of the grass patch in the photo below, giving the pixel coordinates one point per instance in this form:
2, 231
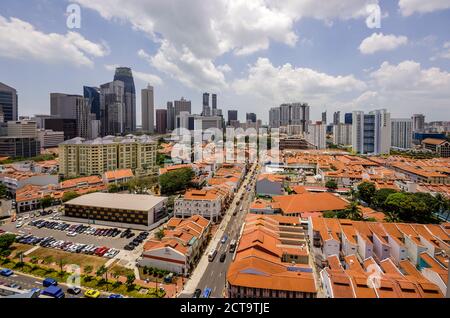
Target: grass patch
118, 270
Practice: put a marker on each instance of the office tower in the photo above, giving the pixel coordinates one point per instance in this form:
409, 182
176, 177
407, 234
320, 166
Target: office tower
337, 118
418, 122
161, 121
125, 75
40, 120
148, 109
181, 105
94, 127
92, 95
250, 117
8, 103
348, 118
71, 107
19, 147
80, 157
170, 116
214, 101
295, 114
206, 110
112, 108
401, 136
371, 133
316, 135
232, 116
324, 117
23, 128
274, 117
50, 138
183, 121
67, 125
342, 134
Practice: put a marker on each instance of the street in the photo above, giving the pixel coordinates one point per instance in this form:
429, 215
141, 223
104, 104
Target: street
213, 274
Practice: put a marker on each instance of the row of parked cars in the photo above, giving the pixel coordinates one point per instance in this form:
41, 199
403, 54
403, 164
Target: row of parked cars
50, 242
74, 229
137, 240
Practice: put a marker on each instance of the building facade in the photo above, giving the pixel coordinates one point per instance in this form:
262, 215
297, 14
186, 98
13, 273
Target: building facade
342, 134
8, 103
66, 125
19, 147
148, 109
125, 75
401, 135
161, 121
317, 136
371, 133
50, 138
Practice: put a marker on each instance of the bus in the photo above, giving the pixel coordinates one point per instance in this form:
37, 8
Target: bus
232, 246
212, 255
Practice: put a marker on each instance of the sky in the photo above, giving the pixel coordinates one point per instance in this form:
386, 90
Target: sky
254, 54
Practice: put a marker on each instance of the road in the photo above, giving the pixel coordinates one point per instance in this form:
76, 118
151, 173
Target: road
29, 282
213, 274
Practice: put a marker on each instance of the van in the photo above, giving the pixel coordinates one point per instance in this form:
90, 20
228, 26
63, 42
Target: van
54, 291
49, 282
212, 255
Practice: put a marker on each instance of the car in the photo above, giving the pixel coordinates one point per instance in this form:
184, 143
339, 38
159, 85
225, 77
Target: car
6, 272
73, 290
115, 296
91, 293
197, 293
19, 225
224, 239
49, 282
129, 247
14, 285
71, 234
36, 291
206, 293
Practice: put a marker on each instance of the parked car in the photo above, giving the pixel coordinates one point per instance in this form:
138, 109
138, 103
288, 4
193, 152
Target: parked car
197, 293
206, 292
222, 257
6, 272
49, 282
115, 296
91, 293
74, 290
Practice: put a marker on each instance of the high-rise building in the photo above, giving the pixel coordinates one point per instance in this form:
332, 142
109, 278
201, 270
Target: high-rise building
418, 122
170, 116
112, 108
214, 101
67, 125
342, 134
250, 117
72, 107
23, 128
295, 114
181, 105
401, 135
80, 157
324, 117
337, 118
371, 133
206, 110
125, 75
19, 147
92, 95
232, 116
40, 120
8, 103
148, 109
50, 138
348, 118
274, 117
316, 135
161, 121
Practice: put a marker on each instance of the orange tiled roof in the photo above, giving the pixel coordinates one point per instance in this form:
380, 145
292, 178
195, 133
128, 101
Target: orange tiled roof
119, 174
310, 202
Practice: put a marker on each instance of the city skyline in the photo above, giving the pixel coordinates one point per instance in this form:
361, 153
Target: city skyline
366, 71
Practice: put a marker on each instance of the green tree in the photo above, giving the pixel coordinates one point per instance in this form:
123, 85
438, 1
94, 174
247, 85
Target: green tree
130, 280
174, 181
353, 212
69, 195
331, 185
380, 197
6, 240
3, 190
46, 202
366, 191
113, 188
409, 208
160, 234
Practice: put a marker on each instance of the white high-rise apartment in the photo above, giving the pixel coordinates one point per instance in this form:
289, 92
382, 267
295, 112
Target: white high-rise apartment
274, 117
371, 133
317, 135
342, 134
148, 109
401, 136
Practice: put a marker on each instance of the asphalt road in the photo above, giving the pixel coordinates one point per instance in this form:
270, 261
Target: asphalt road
28, 282
214, 276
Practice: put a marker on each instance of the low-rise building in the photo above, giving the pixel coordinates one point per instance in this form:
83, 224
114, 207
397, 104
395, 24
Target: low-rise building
270, 184
438, 146
118, 176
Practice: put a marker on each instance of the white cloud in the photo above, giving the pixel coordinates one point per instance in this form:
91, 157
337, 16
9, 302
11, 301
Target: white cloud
287, 83
380, 42
20, 40
224, 68
444, 52
147, 78
409, 7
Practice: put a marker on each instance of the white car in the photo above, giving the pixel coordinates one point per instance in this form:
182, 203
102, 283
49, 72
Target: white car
18, 225
72, 234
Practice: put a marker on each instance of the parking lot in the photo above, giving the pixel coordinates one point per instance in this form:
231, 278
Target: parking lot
50, 226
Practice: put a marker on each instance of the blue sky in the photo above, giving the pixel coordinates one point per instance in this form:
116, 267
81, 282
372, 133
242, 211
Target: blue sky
253, 54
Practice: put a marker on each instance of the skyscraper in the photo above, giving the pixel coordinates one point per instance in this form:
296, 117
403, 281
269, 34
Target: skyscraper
274, 117
170, 116
295, 114
92, 94
148, 109
418, 122
336, 117
125, 75
8, 102
324, 117
348, 118
250, 117
76, 107
161, 121
214, 101
317, 135
371, 133
342, 134
206, 110
232, 115
182, 105
112, 108
401, 136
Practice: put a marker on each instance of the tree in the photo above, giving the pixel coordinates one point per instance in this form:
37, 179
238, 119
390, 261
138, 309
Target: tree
331, 185
409, 208
353, 212
113, 188
160, 234
174, 181
46, 202
3, 190
69, 195
380, 197
130, 280
6, 240
366, 191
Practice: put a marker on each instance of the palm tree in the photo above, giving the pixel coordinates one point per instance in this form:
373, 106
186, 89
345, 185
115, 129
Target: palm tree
392, 217
353, 212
